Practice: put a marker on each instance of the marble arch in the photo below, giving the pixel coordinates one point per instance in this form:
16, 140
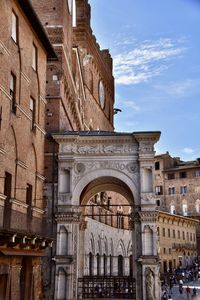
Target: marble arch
90, 162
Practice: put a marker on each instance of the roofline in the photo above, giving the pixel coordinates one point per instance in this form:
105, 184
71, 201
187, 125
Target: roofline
160, 212
32, 17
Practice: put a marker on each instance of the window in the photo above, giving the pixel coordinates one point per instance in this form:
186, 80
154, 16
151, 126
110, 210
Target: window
98, 264
197, 206
74, 13
168, 232
183, 175
91, 264
14, 29
174, 233
170, 251
32, 110
157, 202
163, 231
179, 234
164, 250
171, 190
13, 91
197, 173
172, 209
120, 265
171, 176
157, 165
158, 231
0, 116
184, 208
183, 189
159, 190
7, 193
34, 57
29, 199
70, 6
183, 235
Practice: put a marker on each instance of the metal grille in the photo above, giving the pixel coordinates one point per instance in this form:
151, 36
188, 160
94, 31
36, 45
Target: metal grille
106, 287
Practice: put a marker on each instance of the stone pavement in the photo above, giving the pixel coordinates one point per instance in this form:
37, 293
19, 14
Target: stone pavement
177, 296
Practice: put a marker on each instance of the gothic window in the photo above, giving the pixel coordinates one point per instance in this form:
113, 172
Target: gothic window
91, 264
120, 265
131, 265
62, 282
63, 241
158, 190
111, 265
98, 265
148, 241
105, 264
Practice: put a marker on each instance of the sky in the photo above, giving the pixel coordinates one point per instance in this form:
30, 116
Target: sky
155, 45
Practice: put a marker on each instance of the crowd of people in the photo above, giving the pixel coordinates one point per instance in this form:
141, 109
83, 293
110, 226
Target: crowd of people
180, 277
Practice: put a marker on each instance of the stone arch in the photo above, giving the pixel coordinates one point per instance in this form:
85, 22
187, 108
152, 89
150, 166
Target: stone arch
121, 248
129, 248
100, 180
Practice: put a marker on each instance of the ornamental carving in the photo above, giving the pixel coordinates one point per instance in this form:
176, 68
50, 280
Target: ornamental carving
99, 149
81, 169
146, 147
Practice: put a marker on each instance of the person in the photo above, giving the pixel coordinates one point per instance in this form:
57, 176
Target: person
180, 288
194, 291
188, 291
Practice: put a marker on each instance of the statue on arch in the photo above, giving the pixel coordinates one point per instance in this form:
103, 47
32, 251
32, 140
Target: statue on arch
150, 284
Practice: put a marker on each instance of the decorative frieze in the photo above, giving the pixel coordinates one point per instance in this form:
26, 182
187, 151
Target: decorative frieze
99, 149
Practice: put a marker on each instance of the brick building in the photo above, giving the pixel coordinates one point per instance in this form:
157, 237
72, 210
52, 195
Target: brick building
79, 95
177, 186
24, 49
177, 243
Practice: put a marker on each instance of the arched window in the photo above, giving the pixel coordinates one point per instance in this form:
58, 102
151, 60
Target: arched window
91, 264
197, 206
148, 241
120, 265
111, 265
172, 209
184, 208
62, 283
63, 241
104, 265
131, 265
98, 264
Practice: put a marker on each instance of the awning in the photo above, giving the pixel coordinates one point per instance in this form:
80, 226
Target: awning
21, 252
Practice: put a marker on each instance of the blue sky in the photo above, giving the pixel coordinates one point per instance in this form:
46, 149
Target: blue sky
155, 45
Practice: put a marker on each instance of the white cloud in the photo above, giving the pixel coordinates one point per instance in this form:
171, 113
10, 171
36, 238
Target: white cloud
131, 104
147, 60
188, 150
180, 89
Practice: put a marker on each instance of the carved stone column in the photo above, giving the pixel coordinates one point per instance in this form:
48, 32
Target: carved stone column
148, 257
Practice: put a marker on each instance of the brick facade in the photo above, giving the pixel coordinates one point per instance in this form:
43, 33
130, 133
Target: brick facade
22, 107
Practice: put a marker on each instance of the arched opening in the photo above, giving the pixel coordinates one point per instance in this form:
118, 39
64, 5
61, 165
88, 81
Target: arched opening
120, 265
62, 283
106, 204
63, 241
